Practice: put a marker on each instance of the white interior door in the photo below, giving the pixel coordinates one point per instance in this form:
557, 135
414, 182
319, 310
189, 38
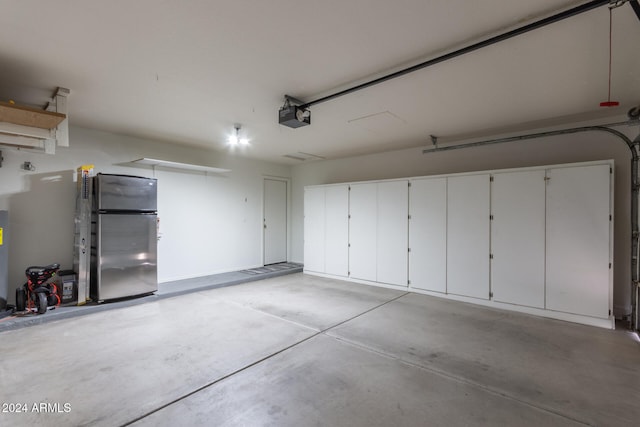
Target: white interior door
468, 199
314, 229
363, 201
275, 221
392, 235
578, 240
428, 234
336, 230
518, 237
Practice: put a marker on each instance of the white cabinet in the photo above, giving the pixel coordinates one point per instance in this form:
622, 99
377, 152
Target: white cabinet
518, 237
578, 240
550, 239
363, 253
468, 235
428, 234
392, 232
314, 232
378, 232
326, 230
336, 245
536, 240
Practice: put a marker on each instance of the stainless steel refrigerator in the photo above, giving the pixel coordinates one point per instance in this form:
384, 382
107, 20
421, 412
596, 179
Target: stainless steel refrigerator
124, 237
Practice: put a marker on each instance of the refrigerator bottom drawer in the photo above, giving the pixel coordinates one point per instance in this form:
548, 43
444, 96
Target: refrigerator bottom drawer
126, 282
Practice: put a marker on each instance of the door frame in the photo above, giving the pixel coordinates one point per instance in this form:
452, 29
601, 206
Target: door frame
287, 182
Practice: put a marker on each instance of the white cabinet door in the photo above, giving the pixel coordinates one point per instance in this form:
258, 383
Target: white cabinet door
428, 234
336, 247
314, 233
363, 205
392, 235
578, 239
518, 237
468, 235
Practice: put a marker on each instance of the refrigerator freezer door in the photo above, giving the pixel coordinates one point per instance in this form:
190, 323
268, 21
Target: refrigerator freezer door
126, 193
127, 255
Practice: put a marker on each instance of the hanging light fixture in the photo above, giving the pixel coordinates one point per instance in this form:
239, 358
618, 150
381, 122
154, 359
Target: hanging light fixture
235, 138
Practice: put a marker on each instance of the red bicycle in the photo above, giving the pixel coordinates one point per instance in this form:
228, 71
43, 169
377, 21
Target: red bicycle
40, 291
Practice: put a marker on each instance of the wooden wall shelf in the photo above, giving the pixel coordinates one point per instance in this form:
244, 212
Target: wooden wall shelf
176, 165
27, 116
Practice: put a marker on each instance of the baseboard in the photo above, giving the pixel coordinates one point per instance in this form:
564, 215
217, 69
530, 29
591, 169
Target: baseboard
567, 317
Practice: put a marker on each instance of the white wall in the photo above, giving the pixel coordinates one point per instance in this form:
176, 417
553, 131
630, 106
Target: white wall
543, 151
209, 223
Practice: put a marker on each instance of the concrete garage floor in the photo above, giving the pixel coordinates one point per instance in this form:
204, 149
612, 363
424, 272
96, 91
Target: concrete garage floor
299, 350
165, 290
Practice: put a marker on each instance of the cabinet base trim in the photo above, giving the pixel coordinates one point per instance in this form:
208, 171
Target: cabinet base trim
608, 323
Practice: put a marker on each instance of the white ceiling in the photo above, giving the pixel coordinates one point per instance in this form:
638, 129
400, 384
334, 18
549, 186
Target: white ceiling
186, 71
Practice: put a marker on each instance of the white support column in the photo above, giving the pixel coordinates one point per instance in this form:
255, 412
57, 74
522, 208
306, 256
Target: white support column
49, 146
62, 131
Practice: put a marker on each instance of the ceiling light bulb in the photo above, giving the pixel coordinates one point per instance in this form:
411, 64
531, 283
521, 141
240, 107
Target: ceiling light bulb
235, 139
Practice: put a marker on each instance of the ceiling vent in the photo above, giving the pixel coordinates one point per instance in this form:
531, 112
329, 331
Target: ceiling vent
303, 156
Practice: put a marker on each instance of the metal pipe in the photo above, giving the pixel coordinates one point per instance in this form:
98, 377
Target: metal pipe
538, 135
633, 146
488, 42
637, 321
635, 239
636, 7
